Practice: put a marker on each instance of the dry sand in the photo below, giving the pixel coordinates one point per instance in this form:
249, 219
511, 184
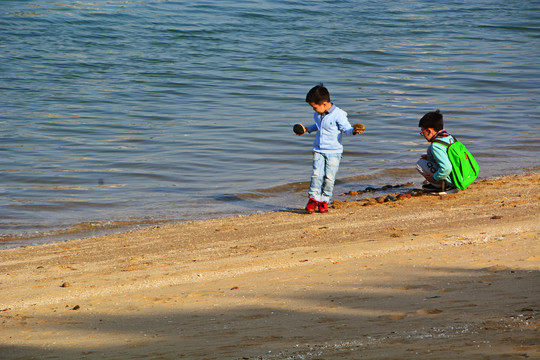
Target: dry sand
453, 277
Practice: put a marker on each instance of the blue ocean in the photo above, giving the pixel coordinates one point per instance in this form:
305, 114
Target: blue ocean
121, 114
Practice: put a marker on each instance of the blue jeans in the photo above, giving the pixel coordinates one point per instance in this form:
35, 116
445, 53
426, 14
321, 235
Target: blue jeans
325, 167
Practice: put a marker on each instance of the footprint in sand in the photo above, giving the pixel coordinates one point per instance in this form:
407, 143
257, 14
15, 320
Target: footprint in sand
429, 311
398, 316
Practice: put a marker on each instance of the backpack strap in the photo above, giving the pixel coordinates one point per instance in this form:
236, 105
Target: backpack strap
445, 143
442, 143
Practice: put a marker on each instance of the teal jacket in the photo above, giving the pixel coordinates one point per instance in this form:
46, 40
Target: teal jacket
438, 154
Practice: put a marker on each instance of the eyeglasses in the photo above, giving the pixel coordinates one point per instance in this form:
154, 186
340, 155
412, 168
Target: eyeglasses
423, 131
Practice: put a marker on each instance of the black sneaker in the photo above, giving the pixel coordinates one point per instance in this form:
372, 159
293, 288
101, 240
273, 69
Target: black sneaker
439, 190
429, 188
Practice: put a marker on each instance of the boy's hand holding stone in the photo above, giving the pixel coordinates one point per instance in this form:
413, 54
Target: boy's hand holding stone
358, 128
299, 129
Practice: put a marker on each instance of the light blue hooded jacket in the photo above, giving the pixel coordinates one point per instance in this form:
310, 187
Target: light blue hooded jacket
330, 128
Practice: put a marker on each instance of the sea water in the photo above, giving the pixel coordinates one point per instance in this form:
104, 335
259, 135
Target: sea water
123, 113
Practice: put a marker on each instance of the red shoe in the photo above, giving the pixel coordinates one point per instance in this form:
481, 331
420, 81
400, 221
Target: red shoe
311, 205
323, 207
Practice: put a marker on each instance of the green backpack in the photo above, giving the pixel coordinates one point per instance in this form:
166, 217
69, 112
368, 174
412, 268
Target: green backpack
464, 167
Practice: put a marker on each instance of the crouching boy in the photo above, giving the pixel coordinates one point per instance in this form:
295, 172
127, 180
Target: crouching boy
435, 166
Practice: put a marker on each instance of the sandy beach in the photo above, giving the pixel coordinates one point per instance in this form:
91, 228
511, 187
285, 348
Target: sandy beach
427, 277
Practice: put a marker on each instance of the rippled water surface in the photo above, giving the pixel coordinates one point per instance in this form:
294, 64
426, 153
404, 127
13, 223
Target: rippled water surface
117, 113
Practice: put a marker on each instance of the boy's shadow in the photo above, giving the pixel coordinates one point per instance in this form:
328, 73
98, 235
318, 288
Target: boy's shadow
255, 205
294, 211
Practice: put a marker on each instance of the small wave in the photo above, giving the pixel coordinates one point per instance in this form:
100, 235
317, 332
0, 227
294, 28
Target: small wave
77, 231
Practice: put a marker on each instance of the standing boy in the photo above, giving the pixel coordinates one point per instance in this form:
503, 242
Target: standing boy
435, 166
330, 123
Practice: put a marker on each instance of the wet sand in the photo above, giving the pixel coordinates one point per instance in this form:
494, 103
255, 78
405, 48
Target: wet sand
452, 277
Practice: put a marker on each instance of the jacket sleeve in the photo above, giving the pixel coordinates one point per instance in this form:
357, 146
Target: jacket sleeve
312, 128
344, 125
440, 156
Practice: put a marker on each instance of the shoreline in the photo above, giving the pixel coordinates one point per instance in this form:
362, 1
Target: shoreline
97, 228
446, 277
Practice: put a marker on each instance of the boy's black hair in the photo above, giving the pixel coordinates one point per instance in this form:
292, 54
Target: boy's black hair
433, 120
318, 94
